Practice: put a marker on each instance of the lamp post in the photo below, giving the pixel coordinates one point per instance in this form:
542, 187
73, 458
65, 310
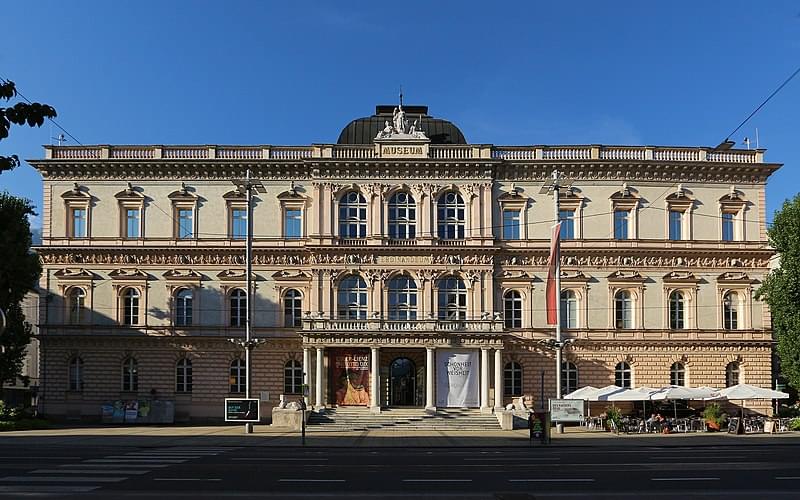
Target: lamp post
247, 186
552, 186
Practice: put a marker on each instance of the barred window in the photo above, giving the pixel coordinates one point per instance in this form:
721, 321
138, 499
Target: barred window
292, 377
183, 375
512, 379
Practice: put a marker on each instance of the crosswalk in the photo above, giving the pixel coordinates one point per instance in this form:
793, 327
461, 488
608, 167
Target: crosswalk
92, 474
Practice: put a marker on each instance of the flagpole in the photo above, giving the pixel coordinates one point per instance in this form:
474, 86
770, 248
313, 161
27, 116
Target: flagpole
558, 287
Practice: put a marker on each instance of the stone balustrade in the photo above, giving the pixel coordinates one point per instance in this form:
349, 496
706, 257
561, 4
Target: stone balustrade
418, 325
438, 152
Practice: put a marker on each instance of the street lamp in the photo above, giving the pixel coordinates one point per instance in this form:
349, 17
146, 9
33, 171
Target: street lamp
556, 182
247, 186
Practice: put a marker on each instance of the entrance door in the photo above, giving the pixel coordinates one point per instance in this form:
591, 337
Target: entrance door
402, 382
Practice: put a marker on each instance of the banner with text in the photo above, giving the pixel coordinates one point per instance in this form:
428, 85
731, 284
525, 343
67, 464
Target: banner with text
457, 378
351, 377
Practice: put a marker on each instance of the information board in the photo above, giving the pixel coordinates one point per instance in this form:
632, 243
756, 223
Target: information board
734, 425
566, 410
242, 410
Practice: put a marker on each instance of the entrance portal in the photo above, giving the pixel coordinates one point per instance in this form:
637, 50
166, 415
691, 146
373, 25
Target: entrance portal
402, 383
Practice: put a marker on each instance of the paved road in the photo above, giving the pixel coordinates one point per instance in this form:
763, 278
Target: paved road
727, 471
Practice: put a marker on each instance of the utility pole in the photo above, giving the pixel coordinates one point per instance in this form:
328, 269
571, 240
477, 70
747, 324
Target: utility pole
247, 186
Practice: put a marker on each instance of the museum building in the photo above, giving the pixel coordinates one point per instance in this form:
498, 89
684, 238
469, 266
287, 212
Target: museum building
398, 267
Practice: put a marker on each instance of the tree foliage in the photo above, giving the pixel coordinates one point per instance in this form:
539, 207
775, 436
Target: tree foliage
781, 289
19, 270
22, 113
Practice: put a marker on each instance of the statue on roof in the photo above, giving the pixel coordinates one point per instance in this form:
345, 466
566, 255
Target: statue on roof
399, 126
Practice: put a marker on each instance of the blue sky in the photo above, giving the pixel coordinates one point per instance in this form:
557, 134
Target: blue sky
247, 72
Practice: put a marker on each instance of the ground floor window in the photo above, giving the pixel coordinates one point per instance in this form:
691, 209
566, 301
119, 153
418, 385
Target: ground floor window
512, 379
292, 377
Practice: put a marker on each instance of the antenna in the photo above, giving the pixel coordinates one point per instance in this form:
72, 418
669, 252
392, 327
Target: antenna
401, 95
746, 141
757, 138
61, 139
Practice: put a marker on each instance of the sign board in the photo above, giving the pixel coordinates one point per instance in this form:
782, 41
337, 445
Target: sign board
242, 410
566, 410
734, 425
351, 376
769, 426
457, 378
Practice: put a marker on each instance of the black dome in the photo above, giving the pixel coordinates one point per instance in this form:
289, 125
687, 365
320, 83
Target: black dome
364, 130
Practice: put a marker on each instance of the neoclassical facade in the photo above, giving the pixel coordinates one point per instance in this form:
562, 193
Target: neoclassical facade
387, 262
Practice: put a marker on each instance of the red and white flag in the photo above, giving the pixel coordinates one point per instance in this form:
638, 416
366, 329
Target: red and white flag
550, 290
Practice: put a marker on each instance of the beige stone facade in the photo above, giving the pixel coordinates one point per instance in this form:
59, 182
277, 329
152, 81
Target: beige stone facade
157, 224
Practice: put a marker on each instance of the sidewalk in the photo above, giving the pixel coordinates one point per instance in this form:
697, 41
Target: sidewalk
146, 436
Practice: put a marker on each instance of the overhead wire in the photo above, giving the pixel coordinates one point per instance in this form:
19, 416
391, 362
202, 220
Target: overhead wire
52, 120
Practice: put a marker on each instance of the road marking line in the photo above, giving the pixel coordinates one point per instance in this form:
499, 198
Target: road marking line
185, 479
509, 460
437, 480
87, 471
41, 458
553, 480
64, 479
788, 478
684, 479
283, 459
90, 466
132, 461
311, 480
40, 488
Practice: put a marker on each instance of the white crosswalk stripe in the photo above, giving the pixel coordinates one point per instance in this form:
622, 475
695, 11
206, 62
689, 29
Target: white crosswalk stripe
92, 474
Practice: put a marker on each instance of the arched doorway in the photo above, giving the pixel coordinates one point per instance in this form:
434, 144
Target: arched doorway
402, 382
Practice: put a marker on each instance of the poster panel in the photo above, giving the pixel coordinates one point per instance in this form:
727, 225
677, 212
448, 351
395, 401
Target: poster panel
351, 377
457, 378
566, 410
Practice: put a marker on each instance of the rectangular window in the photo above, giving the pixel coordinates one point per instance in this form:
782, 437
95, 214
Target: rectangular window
132, 216
567, 220
511, 224
675, 225
185, 223
79, 223
238, 223
727, 226
293, 223
621, 218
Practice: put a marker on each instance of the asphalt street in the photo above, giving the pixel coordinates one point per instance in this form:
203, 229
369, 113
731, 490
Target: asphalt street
726, 471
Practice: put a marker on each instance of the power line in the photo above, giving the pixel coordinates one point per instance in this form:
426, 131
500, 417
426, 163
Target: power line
763, 103
6, 80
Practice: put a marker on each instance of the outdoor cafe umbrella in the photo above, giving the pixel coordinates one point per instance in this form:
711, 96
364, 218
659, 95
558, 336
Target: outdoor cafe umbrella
743, 392
676, 392
583, 393
627, 394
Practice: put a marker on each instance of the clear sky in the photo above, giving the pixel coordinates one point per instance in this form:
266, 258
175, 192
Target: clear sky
296, 72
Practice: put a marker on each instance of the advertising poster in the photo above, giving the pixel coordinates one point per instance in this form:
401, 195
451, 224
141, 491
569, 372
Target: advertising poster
131, 410
351, 377
457, 378
566, 410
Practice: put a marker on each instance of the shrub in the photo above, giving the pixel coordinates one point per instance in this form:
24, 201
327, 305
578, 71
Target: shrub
613, 414
794, 424
713, 413
8, 412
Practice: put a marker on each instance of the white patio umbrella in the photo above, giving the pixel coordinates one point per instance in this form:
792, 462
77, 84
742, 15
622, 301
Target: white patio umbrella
627, 394
744, 392
583, 393
675, 392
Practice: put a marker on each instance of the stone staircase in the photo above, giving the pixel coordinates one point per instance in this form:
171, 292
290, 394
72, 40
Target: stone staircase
348, 419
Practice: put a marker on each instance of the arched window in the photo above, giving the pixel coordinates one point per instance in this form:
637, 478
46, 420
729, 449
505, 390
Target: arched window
402, 216
76, 304
183, 307
130, 306
292, 377
353, 216
130, 375
402, 299
730, 311
569, 378
238, 376
452, 299
292, 309
623, 313
622, 374
238, 307
732, 374
450, 216
75, 374
512, 302
183, 375
569, 309
352, 299
512, 379
677, 311
677, 374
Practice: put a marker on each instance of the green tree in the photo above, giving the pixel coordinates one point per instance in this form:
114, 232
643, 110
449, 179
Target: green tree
19, 270
33, 114
781, 289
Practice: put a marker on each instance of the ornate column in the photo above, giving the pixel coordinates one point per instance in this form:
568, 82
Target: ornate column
307, 374
485, 380
375, 390
320, 403
498, 379
430, 404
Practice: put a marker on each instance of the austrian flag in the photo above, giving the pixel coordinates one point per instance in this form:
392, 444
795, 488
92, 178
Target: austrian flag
552, 263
